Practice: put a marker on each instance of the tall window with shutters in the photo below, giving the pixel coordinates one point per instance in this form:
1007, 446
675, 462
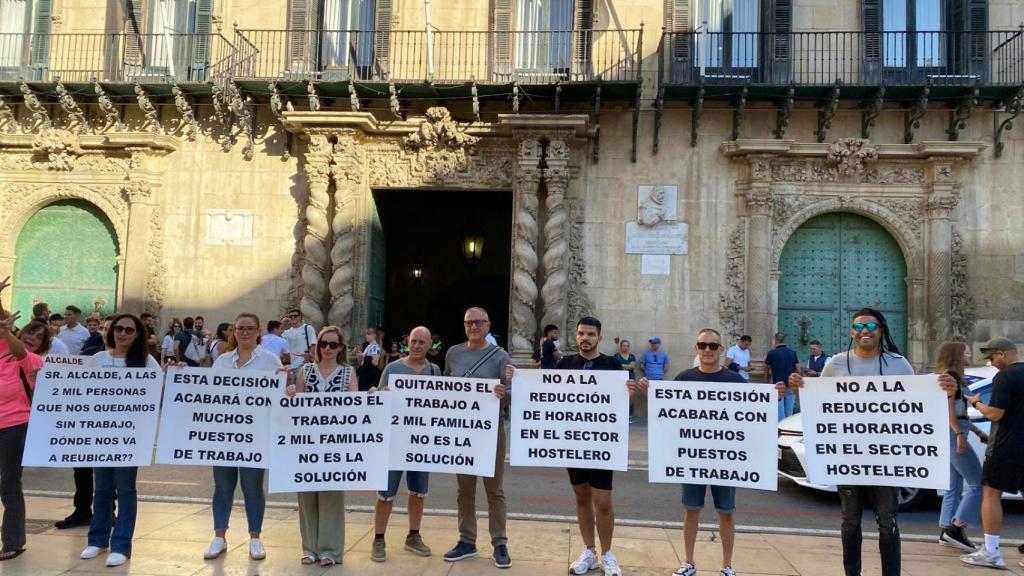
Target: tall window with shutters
167, 38
25, 27
542, 39
339, 39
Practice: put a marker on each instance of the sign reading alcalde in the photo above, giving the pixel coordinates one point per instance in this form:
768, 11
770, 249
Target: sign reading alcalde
570, 418
714, 433
65, 359
217, 416
93, 417
876, 431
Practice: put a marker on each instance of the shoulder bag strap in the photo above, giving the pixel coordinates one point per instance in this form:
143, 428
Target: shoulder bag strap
24, 382
481, 361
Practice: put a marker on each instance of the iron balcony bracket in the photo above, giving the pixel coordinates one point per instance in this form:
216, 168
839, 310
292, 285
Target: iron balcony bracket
828, 111
912, 119
698, 109
1013, 109
871, 113
737, 113
785, 111
958, 117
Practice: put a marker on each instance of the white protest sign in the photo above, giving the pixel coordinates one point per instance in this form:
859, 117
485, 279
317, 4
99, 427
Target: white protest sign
715, 433
329, 441
570, 418
93, 417
443, 424
876, 431
65, 359
217, 416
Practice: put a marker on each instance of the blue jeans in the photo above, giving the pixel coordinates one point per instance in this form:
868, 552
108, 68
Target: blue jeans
786, 406
103, 531
224, 481
956, 503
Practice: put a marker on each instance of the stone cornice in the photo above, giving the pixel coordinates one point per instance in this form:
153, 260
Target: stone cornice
330, 122
155, 142
794, 149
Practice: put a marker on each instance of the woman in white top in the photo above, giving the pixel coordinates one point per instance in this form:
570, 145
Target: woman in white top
369, 366
126, 348
243, 352
167, 346
322, 514
219, 344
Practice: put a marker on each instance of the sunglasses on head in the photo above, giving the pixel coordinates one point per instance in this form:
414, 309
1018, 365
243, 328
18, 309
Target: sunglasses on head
329, 345
125, 329
708, 345
859, 326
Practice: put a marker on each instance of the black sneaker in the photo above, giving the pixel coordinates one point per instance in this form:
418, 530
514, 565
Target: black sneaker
501, 557
954, 536
460, 552
76, 519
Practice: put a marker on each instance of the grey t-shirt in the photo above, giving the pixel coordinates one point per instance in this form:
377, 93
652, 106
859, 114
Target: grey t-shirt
459, 359
888, 364
398, 367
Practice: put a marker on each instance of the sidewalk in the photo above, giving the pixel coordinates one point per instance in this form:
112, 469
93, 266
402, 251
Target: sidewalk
170, 540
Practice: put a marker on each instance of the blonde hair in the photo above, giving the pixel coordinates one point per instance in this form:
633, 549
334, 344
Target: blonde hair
342, 350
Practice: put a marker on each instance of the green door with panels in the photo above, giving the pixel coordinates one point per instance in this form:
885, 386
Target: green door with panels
66, 254
832, 266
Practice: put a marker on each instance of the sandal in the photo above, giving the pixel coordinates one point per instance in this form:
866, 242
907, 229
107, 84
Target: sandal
10, 554
308, 559
327, 562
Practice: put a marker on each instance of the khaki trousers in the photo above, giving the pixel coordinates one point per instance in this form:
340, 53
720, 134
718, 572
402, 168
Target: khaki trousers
496, 510
322, 524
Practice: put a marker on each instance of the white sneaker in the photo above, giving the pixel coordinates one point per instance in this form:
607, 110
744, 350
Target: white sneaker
728, 571
585, 563
256, 550
116, 559
217, 547
611, 565
90, 552
686, 570
983, 558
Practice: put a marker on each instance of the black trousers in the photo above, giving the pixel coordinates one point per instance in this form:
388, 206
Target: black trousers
885, 501
83, 490
12, 446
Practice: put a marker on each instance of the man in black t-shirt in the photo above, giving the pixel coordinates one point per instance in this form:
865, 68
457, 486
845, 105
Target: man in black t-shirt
549, 354
1003, 470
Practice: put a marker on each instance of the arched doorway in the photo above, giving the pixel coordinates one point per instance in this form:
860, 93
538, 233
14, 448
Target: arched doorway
66, 254
832, 266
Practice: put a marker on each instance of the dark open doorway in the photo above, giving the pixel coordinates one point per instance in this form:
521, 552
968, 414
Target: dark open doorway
427, 231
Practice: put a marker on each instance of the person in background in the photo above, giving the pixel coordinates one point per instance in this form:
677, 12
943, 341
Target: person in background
628, 362
394, 354
167, 346
95, 341
126, 348
654, 361
56, 322
780, 362
153, 343
219, 342
41, 312
72, 333
322, 514
300, 336
369, 361
549, 353
275, 344
186, 343
437, 350
816, 361
737, 358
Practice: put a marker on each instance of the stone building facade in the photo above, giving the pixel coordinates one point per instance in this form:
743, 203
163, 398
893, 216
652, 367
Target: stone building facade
230, 186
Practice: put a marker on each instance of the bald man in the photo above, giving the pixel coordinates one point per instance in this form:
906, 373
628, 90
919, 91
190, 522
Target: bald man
415, 364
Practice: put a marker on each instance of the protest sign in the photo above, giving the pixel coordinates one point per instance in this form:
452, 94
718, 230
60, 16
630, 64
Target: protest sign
876, 431
217, 416
443, 424
722, 434
329, 441
93, 417
66, 359
570, 418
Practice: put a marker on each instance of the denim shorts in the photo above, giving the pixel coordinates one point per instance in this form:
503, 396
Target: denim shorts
416, 482
724, 497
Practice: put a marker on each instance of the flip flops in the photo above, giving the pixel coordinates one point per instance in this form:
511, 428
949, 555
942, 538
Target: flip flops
10, 554
308, 559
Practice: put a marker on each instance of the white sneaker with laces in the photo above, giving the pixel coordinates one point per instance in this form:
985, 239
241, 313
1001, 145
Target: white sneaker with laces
728, 571
217, 547
585, 563
256, 550
89, 553
687, 569
116, 559
611, 565
983, 558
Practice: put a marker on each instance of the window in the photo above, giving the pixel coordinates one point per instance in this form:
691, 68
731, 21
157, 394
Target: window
731, 39
335, 39
911, 29
17, 48
167, 38
347, 29
542, 39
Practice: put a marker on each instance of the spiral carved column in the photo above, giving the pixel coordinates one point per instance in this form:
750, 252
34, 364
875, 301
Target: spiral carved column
347, 173
556, 245
316, 265
524, 268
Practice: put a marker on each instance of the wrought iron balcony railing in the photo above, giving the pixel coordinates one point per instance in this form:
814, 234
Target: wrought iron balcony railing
991, 58
115, 57
440, 56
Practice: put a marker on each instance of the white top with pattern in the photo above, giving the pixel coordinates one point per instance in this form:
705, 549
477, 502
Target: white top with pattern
336, 381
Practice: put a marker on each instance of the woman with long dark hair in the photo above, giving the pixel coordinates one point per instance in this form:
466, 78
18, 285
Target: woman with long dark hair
219, 344
167, 346
960, 509
243, 353
126, 348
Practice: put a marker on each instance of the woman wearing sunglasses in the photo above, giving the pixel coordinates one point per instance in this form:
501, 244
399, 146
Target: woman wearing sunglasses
126, 348
167, 346
243, 353
322, 514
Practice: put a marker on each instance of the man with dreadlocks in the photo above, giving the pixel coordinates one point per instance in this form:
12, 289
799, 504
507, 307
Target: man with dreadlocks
872, 352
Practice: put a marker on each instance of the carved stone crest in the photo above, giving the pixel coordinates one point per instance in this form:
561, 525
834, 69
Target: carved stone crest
60, 147
442, 148
849, 155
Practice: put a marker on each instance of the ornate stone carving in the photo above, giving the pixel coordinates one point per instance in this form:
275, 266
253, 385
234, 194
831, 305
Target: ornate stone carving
40, 117
760, 170
963, 313
111, 116
442, 149
75, 116
393, 166
759, 200
243, 118
137, 191
893, 175
556, 248
187, 123
524, 261
731, 300
8, 123
347, 172
156, 268
579, 304
60, 147
316, 266
819, 172
849, 155
786, 205
149, 112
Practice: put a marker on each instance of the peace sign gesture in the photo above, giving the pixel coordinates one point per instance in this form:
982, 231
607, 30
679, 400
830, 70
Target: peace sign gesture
8, 323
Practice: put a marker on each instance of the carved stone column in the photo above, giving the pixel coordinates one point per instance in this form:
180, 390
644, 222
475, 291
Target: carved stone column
135, 272
760, 316
316, 265
347, 171
556, 247
523, 321
941, 201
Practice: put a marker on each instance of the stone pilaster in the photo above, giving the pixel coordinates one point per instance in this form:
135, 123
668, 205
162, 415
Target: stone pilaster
760, 314
347, 172
554, 292
522, 309
134, 267
316, 265
940, 203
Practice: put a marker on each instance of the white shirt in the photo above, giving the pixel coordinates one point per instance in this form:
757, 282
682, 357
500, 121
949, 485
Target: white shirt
105, 360
493, 341
57, 346
740, 357
275, 344
168, 345
74, 337
260, 359
299, 340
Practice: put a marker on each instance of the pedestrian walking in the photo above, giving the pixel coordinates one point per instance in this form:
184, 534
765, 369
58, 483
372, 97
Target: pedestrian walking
780, 362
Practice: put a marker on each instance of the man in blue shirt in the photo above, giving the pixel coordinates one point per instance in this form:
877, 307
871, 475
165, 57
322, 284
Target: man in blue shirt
778, 365
654, 362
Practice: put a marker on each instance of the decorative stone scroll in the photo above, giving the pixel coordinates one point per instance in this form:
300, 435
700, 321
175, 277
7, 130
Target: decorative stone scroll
347, 171
556, 178
316, 265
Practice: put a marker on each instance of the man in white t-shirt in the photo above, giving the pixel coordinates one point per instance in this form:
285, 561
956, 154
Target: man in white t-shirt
274, 343
739, 354
72, 332
301, 338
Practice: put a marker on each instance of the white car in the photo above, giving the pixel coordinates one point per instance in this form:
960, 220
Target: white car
793, 458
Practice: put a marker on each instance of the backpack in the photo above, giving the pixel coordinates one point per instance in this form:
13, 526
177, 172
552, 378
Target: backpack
194, 349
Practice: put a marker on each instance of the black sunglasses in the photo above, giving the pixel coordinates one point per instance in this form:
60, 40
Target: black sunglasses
329, 345
125, 329
708, 345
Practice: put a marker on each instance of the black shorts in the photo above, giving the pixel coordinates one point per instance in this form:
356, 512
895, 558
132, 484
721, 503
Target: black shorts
1003, 475
600, 479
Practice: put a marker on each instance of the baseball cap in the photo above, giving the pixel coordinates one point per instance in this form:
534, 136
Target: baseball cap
655, 340
998, 344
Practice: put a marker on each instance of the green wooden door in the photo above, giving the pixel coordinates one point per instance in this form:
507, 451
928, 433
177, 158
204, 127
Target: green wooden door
832, 266
66, 254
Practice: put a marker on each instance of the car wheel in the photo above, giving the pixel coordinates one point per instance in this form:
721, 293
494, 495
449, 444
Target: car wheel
912, 498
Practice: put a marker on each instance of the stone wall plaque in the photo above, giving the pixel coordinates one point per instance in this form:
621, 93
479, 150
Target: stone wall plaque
664, 238
229, 227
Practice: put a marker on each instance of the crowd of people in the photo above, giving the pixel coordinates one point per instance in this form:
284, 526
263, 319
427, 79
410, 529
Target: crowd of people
318, 361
